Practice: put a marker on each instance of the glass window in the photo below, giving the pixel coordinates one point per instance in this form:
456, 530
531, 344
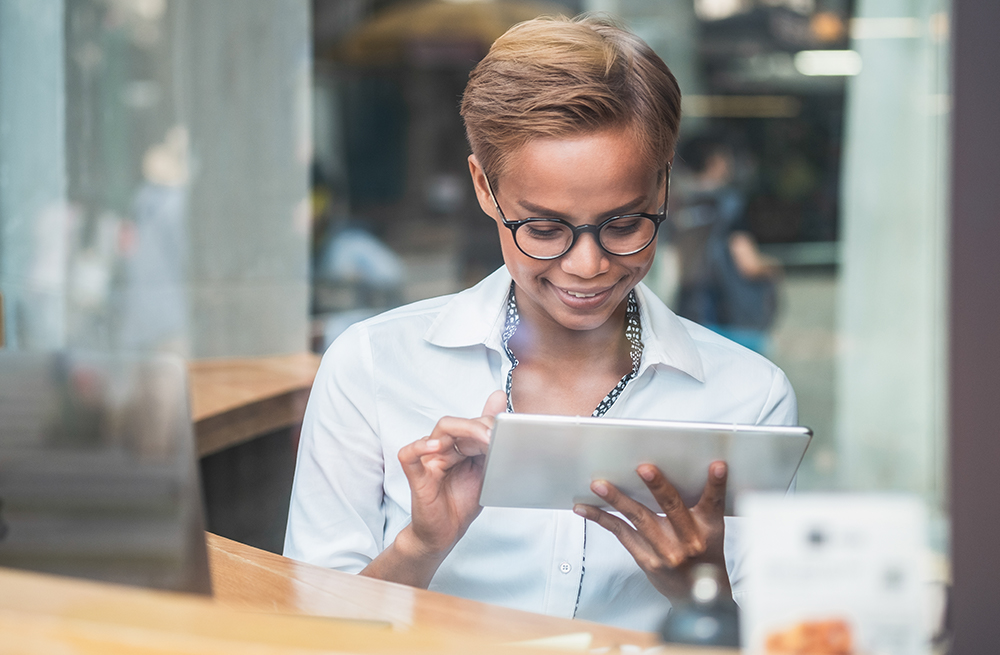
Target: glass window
814, 132
182, 176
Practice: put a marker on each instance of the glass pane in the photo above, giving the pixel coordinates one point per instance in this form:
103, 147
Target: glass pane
155, 159
822, 122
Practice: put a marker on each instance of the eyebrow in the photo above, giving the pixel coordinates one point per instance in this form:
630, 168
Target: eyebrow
630, 206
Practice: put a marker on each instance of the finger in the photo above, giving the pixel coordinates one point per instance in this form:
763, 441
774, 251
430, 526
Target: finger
411, 456
426, 460
495, 404
474, 436
713, 498
640, 516
449, 451
670, 502
464, 448
636, 544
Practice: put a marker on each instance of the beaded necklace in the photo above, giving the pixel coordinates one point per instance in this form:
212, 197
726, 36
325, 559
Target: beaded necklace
633, 332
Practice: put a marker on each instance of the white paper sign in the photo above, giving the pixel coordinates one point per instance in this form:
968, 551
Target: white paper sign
831, 574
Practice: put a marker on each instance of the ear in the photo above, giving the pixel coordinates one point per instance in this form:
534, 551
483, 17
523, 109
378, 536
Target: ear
482, 188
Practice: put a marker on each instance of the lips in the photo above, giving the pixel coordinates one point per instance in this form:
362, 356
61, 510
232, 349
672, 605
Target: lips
583, 298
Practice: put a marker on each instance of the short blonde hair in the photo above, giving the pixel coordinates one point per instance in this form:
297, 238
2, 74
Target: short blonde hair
556, 77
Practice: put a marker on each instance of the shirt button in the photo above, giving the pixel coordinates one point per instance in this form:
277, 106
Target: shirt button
565, 567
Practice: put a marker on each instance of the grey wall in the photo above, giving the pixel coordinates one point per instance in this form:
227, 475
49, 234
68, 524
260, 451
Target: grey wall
248, 100
975, 314
33, 212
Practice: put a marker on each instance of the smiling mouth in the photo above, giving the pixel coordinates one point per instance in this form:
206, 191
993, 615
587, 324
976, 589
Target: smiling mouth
581, 295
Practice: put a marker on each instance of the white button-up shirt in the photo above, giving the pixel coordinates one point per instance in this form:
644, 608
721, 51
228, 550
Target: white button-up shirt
386, 381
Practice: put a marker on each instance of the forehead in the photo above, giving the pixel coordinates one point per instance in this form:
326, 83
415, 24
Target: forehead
602, 162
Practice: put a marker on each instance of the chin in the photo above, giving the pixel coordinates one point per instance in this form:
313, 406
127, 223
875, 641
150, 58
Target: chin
582, 321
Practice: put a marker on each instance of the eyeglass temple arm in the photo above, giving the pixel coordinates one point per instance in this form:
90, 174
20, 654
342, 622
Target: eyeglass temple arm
493, 196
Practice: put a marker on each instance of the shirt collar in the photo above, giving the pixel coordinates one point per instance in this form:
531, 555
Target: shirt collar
476, 317
666, 342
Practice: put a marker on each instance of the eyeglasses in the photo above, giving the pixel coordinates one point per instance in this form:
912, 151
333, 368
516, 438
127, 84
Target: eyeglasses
551, 238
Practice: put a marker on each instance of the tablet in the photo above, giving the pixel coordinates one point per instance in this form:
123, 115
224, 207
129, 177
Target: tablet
538, 461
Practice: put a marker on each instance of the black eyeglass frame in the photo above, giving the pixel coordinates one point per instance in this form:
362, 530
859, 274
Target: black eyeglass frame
577, 230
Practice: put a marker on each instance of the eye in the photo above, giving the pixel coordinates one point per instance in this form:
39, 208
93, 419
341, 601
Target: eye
624, 226
542, 230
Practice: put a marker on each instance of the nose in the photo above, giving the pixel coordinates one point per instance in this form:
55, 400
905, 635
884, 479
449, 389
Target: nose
586, 259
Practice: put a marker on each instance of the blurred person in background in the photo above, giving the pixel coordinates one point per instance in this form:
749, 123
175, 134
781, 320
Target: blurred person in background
347, 253
155, 300
727, 284
572, 126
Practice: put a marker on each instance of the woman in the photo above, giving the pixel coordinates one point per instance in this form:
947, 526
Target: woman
573, 122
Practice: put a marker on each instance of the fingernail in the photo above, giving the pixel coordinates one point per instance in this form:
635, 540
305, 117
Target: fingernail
720, 470
646, 473
599, 488
432, 444
580, 511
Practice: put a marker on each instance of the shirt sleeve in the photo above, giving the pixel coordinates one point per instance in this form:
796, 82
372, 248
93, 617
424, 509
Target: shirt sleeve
336, 517
780, 407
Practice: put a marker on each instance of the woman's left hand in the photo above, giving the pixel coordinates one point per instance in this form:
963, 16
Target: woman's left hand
667, 547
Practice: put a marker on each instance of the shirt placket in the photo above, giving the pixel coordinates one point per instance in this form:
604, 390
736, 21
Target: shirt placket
566, 566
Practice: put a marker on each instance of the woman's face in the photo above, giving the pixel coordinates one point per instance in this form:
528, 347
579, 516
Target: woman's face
582, 179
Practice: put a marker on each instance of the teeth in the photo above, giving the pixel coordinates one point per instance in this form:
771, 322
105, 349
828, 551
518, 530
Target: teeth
581, 295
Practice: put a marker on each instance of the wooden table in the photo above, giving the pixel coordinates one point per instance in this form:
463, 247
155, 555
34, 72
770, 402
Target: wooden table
235, 400
267, 604
247, 578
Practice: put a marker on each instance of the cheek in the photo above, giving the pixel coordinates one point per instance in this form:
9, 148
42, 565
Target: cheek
509, 250
512, 256
648, 263
521, 267
642, 263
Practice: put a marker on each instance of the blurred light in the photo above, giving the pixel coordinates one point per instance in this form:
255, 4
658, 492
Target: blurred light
828, 62
718, 9
939, 27
149, 9
804, 7
885, 28
705, 590
141, 94
740, 106
827, 26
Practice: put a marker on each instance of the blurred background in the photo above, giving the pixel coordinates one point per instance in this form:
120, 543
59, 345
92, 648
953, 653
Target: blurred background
242, 178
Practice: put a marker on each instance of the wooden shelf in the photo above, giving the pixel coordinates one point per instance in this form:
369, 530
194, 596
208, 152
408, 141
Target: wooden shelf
235, 400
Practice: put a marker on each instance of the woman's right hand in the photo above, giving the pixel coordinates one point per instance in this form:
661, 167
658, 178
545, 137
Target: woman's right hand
445, 472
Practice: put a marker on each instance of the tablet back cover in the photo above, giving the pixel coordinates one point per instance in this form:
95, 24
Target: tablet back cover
549, 462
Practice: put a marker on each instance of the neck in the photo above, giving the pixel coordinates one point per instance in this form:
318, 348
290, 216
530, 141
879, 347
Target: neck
541, 340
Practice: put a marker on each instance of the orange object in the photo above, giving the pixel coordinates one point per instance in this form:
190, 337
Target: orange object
828, 637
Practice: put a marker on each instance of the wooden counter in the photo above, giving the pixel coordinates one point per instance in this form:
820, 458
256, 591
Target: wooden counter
248, 578
235, 400
267, 604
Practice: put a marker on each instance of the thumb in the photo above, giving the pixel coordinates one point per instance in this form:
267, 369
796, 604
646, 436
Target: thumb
495, 404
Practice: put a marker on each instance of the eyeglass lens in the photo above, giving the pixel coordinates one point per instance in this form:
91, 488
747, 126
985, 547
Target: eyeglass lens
620, 236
